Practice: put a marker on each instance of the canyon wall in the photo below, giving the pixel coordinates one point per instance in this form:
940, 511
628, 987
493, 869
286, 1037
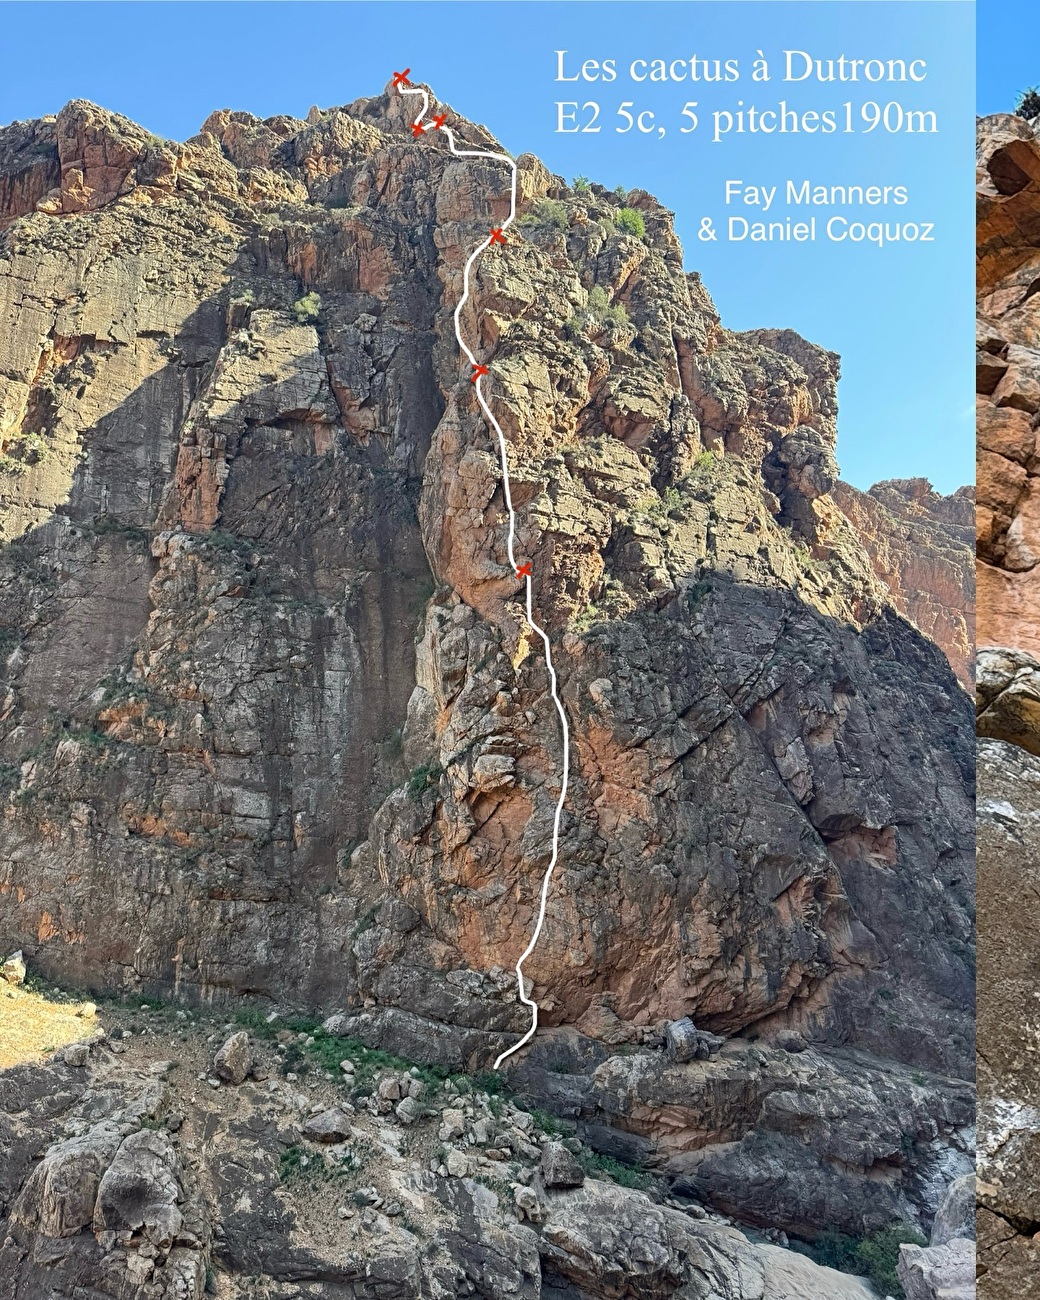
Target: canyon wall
270, 725
1008, 373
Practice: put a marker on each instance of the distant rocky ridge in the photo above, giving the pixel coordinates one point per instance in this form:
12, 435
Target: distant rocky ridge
269, 727
917, 541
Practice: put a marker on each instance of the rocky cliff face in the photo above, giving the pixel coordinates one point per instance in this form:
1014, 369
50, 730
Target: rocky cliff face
1008, 375
271, 727
1009, 694
917, 541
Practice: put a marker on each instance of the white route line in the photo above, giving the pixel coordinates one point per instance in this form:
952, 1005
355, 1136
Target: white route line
504, 458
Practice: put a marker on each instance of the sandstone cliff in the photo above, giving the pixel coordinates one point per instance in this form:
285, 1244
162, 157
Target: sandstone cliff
1008, 375
270, 725
917, 541
1009, 694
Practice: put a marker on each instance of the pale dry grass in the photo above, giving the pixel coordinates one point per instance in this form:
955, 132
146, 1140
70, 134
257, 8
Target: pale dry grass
31, 1027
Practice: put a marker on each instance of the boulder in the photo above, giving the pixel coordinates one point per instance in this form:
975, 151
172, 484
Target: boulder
559, 1167
938, 1272
408, 1109
389, 1088
457, 1163
139, 1192
58, 1199
76, 1054
956, 1214
608, 1240
528, 1206
13, 969
332, 1125
234, 1059
453, 1124
685, 1042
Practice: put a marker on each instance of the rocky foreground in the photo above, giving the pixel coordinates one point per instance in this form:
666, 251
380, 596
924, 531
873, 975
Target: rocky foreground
271, 734
168, 1156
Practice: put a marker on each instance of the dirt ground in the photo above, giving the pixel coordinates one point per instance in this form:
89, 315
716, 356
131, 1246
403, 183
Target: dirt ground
32, 1027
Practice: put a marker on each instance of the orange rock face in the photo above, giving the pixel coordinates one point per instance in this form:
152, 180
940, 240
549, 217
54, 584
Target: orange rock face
270, 724
1008, 381
920, 546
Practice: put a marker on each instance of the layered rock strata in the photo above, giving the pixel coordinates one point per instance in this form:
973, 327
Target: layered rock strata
1009, 694
134, 1172
270, 727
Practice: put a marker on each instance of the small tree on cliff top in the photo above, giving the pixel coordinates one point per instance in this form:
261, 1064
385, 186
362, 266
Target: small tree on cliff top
1028, 103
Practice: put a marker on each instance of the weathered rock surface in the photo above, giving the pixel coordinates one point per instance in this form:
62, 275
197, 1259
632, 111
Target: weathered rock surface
945, 1268
938, 1272
956, 1216
1008, 375
1009, 700
234, 1059
332, 1125
921, 546
1007, 697
269, 722
778, 1140
115, 1185
559, 1168
685, 1042
1009, 1094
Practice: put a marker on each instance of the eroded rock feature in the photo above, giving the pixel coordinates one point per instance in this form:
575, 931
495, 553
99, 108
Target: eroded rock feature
1008, 377
918, 541
1008, 702
270, 726
1009, 1099
181, 1188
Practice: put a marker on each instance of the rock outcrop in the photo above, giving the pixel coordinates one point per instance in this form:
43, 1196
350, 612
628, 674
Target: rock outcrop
1009, 1096
271, 728
921, 546
945, 1268
134, 1178
1009, 696
1008, 379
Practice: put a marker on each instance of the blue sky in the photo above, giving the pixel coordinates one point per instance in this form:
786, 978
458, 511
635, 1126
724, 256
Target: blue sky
1008, 53
901, 317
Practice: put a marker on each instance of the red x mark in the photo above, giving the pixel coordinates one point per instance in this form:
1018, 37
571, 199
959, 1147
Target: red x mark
401, 78
418, 128
439, 120
477, 372
524, 570
497, 237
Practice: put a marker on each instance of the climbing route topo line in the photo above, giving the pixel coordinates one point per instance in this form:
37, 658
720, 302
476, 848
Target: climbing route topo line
497, 236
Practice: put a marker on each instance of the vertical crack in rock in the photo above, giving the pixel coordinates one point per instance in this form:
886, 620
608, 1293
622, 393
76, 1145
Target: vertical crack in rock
272, 726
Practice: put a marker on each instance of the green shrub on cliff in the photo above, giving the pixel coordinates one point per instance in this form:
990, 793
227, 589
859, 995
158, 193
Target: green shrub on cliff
422, 778
600, 1166
307, 309
601, 310
631, 222
1028, 104
547, 212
